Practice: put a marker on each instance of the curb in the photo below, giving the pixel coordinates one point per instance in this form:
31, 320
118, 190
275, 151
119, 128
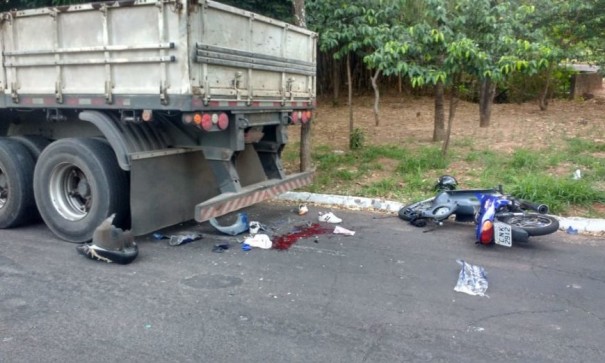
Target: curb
582, 225
343, 201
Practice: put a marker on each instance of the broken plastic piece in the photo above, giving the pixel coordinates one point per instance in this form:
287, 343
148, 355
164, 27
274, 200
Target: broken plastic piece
329, 218
220, 248
110, 244
246, 247
254, 227
259, 240
184, 237
472, 279
240, 226
571, 230
341, 230
302, 209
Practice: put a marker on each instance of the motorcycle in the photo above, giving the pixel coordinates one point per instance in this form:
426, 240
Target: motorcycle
500, 219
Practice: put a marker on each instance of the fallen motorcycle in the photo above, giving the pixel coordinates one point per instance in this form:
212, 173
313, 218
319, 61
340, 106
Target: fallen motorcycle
500, 219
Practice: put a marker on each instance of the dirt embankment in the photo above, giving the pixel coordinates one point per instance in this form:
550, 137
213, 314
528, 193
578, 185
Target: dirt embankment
409, 121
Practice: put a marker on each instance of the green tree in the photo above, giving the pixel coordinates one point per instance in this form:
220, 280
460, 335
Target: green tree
572, 31
495, 26
337, 22
441, 49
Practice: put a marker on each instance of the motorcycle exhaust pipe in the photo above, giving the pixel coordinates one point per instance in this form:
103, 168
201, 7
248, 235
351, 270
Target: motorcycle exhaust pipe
540, 208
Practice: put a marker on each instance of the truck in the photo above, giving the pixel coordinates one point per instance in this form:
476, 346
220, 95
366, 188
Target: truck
157, 111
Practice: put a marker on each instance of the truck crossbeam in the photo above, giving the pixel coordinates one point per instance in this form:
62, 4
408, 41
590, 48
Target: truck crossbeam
249, 195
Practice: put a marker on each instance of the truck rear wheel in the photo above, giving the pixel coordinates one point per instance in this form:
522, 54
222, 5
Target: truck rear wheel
34, 143
78, 184
16, 173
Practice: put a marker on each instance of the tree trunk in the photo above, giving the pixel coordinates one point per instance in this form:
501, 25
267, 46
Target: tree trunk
450, 119
543, 101
439, 127
374, 79
350, 101
300, 15
300, 19
336, 81
399, 84
487, 91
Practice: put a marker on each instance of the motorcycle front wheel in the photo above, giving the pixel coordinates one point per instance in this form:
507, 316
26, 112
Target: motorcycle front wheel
412, 211
534, 224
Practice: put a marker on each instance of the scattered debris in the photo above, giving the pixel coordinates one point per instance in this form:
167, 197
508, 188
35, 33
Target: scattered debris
341, 230
476, 329
577, 175
185, 237
240, 226
220, 247
254, 227
472, 279
110, 244
180, 238
259, 240
246, 247
329, 218
571, 230
302, 209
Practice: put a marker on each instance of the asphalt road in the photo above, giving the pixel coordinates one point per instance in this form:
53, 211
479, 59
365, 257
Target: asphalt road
383, 295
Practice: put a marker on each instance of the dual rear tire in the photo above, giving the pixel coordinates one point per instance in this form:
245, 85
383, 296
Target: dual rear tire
76, 183
17, 204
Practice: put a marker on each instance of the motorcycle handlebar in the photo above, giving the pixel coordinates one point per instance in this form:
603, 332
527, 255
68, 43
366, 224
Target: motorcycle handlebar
540, 208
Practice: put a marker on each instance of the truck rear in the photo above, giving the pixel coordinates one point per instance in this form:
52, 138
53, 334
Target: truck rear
157, 111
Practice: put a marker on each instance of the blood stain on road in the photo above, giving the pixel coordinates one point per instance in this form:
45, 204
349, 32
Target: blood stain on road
286, 241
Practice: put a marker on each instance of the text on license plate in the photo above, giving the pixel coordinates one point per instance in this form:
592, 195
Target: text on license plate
503, 234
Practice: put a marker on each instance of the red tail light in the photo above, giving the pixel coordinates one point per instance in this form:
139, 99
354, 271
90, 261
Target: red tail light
206, 122
306, 116
295, 117
487, 233
223, 121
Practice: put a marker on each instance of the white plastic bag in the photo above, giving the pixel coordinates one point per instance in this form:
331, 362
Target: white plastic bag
259, 240
341, 230
472, 279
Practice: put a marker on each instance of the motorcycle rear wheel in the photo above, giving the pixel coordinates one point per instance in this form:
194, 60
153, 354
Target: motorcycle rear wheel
534, 224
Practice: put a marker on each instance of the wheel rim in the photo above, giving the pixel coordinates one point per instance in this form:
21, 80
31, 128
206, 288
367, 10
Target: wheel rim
3, 189
70, 192
441, 212
530, 221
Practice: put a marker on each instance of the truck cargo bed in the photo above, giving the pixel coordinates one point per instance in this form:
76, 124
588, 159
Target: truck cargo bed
149, 54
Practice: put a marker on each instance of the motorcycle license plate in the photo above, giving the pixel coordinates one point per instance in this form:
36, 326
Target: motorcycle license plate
503, 235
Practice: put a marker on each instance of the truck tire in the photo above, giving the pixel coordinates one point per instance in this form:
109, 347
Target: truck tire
77, 185
17, 204
34, 143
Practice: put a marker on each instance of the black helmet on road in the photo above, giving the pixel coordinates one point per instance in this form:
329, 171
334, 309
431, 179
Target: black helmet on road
446, 182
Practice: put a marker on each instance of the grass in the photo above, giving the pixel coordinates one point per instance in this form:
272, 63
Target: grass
405, 174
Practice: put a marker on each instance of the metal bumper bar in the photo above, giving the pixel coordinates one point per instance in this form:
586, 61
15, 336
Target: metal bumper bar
252, 194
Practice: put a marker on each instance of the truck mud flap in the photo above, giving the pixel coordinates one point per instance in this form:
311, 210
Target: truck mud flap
249, 195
